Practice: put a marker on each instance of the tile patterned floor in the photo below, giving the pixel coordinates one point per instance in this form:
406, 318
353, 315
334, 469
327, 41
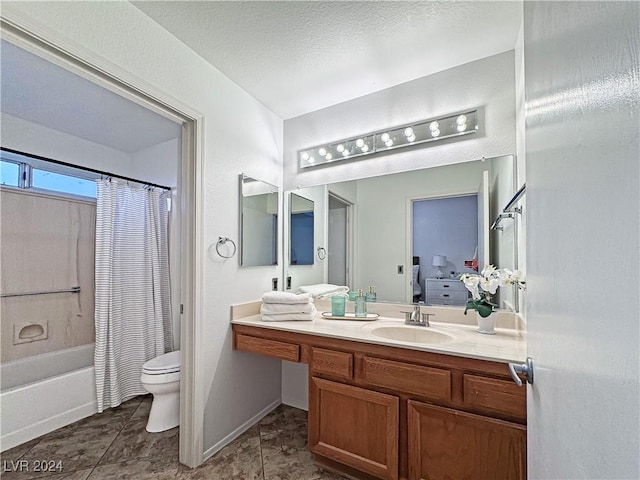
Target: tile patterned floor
115, 445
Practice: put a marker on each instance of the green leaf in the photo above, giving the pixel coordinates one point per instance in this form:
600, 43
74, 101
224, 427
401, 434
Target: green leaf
484, 310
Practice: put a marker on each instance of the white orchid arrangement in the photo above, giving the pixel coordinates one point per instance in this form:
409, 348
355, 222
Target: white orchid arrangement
482, 286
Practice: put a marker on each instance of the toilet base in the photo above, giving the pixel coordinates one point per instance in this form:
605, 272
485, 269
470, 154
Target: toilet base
165, 412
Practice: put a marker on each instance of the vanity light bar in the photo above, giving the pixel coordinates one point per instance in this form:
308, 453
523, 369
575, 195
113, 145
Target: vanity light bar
424, 131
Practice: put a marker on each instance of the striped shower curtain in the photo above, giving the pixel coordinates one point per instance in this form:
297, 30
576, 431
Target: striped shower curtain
132, 305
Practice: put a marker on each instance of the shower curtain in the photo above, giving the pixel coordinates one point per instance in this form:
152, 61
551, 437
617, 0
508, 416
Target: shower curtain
132, 305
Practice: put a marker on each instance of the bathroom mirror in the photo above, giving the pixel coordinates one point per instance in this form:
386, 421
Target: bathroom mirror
373, 230
301, 230
258, 222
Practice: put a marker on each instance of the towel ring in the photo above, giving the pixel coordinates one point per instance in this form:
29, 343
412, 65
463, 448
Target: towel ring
322, 253
222, 241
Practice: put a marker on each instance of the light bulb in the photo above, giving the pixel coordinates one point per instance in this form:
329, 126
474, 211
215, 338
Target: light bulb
435, 133
433, 126
411, 138
388, 143
365, 148
304, 156
461, 120
462, 127
329, 156
312, 160
340, 148
322, 151
384, 137
408, 132
359, 143
345, 153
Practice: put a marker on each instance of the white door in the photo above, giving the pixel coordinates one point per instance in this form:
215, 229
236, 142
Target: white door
483, 221
583, 224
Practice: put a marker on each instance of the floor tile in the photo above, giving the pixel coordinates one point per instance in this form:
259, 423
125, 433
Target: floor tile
156, 468
134, 442
15, 453
240, 460
115, 445
77, 446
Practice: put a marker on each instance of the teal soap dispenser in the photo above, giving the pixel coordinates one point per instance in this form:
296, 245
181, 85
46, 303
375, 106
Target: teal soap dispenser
371, 296
361, 304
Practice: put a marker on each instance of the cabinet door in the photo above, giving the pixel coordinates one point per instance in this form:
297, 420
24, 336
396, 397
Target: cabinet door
446, 444
354, 426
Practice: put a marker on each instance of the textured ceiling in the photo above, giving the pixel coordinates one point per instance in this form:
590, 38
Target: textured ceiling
297, 57
38, 91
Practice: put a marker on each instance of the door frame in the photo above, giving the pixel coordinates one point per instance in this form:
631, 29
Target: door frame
350, 232
76, 58
408, 275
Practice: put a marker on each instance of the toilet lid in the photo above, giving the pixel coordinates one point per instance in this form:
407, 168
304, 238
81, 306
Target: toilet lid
167, 363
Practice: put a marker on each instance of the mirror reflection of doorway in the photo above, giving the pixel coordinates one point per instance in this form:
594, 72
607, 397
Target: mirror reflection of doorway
338, 241
446, 228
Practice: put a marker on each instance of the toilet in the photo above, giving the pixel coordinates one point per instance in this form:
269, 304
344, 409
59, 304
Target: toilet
161, 377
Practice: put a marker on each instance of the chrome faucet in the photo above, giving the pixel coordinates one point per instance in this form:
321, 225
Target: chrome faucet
416, 317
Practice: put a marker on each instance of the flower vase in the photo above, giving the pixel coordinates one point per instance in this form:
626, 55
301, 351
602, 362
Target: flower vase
486, 324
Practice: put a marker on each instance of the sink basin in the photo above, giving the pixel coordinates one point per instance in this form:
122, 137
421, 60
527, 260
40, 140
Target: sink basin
414, 335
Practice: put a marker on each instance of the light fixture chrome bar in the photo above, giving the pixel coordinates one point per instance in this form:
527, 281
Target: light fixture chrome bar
402, 136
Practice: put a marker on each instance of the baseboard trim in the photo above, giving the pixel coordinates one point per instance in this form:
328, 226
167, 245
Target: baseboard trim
300, 403
211, 451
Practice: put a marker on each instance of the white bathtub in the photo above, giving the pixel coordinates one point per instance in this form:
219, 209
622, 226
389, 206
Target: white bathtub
45, 392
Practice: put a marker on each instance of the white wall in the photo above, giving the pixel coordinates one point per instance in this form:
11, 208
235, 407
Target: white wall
583, 203
240, 135
487, 83
29, 137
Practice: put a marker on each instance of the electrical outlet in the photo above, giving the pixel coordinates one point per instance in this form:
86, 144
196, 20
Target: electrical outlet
274, 283
400, 269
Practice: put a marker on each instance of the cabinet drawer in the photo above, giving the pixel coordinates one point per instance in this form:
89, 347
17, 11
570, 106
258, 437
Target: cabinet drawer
332, 363
272, 348
428, 382
450, 285
446, 297
499, 396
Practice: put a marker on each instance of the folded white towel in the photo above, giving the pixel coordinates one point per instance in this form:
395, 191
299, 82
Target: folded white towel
322, 290
275, 308
285, 297
286, 317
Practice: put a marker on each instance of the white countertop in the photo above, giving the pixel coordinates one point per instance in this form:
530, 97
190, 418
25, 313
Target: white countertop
508, 345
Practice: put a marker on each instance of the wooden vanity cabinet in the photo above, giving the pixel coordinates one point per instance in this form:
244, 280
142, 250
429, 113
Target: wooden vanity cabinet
354, 426
392, 413
450, 444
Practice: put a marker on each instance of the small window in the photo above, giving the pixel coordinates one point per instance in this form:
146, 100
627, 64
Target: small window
10, 174
63, 183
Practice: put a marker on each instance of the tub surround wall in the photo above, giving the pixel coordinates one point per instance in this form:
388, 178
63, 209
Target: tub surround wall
48, 243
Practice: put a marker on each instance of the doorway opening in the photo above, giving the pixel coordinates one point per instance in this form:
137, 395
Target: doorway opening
187, 200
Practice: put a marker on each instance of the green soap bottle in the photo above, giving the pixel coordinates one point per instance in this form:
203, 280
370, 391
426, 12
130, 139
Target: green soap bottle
361, 304
371, 296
